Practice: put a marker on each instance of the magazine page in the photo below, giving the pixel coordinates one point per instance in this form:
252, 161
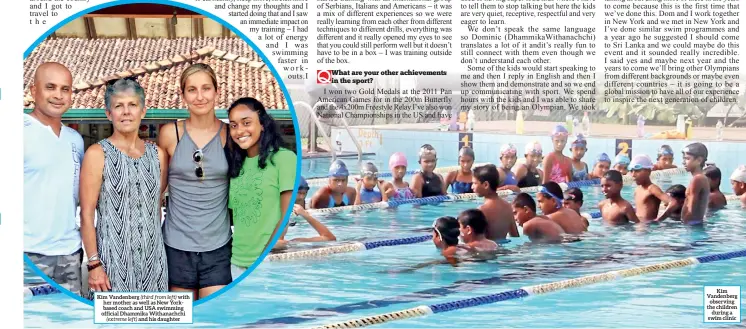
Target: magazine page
340, 164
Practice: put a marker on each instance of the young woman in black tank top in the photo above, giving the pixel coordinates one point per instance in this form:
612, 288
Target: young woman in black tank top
427, 183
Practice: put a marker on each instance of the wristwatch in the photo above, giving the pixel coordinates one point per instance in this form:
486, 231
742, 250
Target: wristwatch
93, 258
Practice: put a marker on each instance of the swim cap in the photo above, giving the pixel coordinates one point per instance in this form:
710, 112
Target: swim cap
579, 141
603, 157
640, 162
466, 151
397, 159
739, 175
574, 194
559, 130
696, 149
303, 185
369, 169
508, 149
554, 191
338, 169
665, 150
533, 148
427, 149
621, 159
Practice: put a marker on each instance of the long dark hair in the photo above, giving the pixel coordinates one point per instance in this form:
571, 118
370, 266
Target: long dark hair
269, 143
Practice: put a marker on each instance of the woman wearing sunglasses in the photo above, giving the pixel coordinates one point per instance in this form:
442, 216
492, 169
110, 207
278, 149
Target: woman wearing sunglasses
123, 179
197, 229
262, 176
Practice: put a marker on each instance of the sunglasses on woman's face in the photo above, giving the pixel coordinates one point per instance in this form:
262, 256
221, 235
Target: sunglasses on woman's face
197, 157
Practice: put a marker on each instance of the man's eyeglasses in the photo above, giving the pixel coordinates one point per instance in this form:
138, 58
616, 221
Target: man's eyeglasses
197, 157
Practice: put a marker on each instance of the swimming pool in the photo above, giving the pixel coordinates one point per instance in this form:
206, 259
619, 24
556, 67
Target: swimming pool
311, 292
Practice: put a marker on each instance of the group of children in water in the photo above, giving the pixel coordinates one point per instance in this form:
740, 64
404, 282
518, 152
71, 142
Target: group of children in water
480, 229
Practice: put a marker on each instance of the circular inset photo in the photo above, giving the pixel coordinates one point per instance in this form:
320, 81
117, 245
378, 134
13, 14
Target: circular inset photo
159, 154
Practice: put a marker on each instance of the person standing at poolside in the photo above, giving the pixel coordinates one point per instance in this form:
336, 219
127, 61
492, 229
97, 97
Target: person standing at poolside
648, 196
498, 213
197, 229
528, 174
427, 182
578, 148
558, 167
52, 155
698, 192
262, 175
123, 179
460, 180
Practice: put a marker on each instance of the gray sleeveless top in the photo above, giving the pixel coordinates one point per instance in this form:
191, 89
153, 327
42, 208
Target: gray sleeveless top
128, 230
197, 217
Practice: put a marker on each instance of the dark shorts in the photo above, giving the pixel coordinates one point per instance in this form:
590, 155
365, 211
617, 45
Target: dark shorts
197, 270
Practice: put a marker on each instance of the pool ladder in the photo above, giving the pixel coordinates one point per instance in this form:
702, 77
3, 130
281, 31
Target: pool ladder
327, 137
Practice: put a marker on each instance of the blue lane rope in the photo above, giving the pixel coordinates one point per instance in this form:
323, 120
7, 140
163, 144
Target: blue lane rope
530, 290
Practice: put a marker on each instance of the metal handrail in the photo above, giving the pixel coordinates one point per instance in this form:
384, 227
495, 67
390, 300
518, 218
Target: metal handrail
347, 127
312, 111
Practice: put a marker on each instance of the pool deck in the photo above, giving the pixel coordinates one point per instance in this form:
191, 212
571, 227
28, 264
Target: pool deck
542, 128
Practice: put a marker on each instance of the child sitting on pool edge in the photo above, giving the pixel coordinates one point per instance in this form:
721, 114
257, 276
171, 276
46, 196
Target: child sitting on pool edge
508, 157
460, 180
603, 164
473, 226
579, 168
615, 210
665, 158
368, 187
738, 181
537, 228
397, 188
337, 193
528, 174
427, 182
620, 164
717, 199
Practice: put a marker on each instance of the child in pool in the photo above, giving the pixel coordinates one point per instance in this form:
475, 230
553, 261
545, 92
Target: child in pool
621, 162
527, 174
717, 199
677, 195
648, 196
473, 226
397, 188
574, 200
550, 202
698, 192
665, 158
738, 181
460, 180
445, 236
496, 210
537, 228
428, 183
579, 168
299, 208
557, 165
615, 210
508, 157
368, 187
603, 164
337, 193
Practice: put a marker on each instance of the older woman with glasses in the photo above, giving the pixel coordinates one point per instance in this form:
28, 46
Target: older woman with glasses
123, 179
197, 230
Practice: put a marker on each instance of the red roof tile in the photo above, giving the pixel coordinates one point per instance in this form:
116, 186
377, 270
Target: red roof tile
157, 64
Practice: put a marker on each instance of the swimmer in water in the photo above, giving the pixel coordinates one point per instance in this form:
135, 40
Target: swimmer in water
497, 211
557, 165
460, 180
508, 157
665, 158
445, 236
615, 210
698, 192
738, 182
620, 164
717, 198
528, 174
574, 201
398, 189
337, 193
369, 187
428, 183
578, 148
677, 195
537, 228
550, 202
299, 208
603, 164
473, 227
648, 196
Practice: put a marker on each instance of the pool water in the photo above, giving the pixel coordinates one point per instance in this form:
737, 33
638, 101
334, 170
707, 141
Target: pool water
304, 293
